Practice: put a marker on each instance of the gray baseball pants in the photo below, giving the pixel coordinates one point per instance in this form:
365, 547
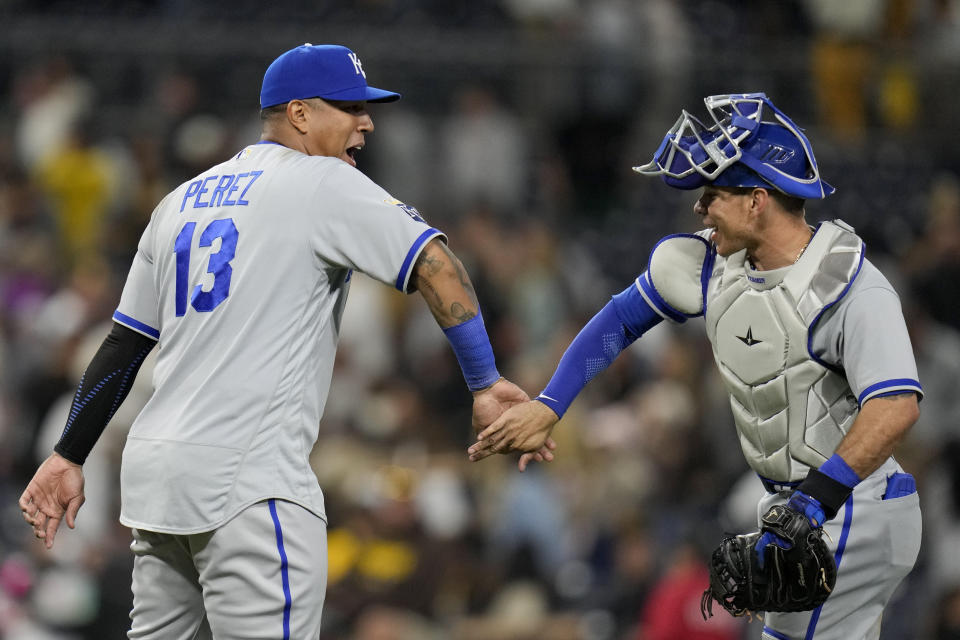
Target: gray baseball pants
262, 575
875, 539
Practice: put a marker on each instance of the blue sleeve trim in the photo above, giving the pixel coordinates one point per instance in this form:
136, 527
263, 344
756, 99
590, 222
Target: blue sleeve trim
813, 324
414, 251
889, 388
136, 325
898, 393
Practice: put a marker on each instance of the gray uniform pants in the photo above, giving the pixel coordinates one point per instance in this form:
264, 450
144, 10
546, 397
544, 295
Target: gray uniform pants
262, 575
875, 541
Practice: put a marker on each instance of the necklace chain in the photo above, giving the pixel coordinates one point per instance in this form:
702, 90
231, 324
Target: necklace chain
803, 248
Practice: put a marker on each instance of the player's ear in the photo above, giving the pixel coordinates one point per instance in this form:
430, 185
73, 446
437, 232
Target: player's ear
759, 198
297, 115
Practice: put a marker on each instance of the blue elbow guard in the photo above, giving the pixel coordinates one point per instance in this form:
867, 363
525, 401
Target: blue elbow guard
474, 353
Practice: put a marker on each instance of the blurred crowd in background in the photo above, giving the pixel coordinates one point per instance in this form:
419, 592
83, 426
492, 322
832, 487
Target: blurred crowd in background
519, 125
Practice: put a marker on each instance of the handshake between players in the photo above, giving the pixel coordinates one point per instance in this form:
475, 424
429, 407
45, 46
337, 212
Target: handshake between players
524, 427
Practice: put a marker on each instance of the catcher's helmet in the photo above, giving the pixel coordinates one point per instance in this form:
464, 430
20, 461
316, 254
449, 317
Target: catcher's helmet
739, 150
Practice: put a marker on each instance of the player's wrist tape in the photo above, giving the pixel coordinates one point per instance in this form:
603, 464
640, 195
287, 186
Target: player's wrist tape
613, 329
472, 347
830, 485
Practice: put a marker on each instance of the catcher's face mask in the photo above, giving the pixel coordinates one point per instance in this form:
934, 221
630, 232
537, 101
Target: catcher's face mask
739, 149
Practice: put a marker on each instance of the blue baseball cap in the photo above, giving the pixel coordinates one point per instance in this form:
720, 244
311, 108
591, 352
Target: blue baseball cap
318, 71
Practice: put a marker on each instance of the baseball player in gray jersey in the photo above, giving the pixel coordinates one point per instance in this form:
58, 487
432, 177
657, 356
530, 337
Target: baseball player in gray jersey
241, 277
809, 339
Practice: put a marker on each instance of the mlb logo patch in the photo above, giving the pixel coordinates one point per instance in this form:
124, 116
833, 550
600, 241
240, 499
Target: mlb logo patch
407, 209
412, 212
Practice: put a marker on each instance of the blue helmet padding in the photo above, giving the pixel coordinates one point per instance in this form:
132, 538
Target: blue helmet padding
739, 149
738, 175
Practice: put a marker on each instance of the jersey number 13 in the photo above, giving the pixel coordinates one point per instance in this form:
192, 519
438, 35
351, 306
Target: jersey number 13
218, 264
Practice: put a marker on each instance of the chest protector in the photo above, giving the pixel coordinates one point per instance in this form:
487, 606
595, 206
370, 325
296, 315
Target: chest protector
790, 410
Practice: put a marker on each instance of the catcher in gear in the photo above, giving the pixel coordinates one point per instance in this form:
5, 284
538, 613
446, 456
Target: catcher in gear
810, 341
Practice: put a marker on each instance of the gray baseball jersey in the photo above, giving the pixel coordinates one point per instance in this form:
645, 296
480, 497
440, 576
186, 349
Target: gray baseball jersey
864, 334
242, 275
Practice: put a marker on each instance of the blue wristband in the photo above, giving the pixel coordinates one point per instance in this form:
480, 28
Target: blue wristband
474, 353
838, 469
830, 485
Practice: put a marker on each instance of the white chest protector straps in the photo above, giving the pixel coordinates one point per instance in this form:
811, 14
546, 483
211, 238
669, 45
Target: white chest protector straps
790, 410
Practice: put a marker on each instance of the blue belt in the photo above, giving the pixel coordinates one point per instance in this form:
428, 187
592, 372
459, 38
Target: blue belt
775, 486
898, 485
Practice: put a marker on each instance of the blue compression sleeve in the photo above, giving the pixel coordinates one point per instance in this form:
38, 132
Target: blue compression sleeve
624, 319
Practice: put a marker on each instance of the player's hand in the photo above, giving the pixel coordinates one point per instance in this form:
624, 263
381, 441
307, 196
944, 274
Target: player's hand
55, 492
544, 454
799, 502
490, 403
525, 427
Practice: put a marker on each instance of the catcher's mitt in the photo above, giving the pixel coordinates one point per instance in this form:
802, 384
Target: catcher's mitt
796, 579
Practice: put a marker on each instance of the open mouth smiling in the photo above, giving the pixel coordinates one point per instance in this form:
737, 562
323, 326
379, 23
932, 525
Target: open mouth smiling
352, 153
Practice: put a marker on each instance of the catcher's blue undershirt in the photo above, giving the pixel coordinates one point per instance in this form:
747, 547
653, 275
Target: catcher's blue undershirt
624, 319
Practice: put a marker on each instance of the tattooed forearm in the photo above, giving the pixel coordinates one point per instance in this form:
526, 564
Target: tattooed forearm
442, 280
428, 263
464, 278
461, 272
461, 313
429, 292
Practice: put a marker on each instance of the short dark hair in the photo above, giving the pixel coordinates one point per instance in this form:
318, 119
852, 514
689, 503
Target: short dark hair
272, 112
278, 109
790, 204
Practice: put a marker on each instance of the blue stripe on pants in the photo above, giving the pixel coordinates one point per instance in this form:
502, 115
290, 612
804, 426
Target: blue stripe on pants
774, 634
847, 521
283, 570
